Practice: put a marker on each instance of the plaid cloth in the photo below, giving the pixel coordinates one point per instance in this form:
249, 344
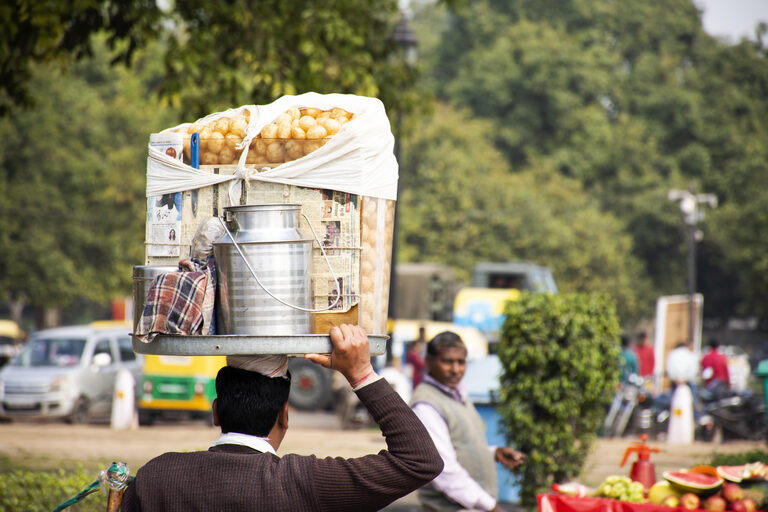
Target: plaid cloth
209, 316
180, 303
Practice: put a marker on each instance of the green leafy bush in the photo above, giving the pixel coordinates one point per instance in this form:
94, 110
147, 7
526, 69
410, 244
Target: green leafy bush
42, 491
738, 459
560, 357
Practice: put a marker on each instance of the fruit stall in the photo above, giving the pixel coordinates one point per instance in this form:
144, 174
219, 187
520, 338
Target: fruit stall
723, 488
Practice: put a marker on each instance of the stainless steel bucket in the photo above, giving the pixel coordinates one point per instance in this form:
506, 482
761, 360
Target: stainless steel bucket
268, 237
143, 275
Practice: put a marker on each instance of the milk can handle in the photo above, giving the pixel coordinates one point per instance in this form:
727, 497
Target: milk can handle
278, 299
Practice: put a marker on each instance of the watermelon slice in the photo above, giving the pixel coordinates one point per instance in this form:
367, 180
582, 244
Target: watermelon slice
697, 483
756, 471
733, 474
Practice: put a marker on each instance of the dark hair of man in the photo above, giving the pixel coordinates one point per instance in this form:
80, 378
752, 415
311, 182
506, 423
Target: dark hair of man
445, 339
624, 341
248, 402
641, 336
713, 343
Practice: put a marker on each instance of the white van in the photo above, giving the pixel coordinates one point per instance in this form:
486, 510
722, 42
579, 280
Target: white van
68, 373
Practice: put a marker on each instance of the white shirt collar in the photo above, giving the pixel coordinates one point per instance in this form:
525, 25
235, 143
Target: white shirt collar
260, 444
458, 393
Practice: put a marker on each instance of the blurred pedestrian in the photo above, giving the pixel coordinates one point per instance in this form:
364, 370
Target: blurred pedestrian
683, 371
415, 357
714, 366
628, 362
645, 357
683, 366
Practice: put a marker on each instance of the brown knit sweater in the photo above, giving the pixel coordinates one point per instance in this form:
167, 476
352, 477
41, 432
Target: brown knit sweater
232, 478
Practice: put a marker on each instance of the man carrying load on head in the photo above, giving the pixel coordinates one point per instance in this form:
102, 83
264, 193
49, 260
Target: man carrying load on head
241, 472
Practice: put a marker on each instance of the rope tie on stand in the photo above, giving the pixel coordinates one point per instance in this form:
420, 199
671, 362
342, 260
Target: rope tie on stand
245, 176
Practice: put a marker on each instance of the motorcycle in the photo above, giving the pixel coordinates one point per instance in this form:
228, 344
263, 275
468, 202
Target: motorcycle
721, 414
736, 415
704, 427
635, 410
629, 411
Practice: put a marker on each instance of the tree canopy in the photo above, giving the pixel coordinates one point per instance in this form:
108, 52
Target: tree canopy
253, 52
461, 206
72, 179
628, 100
218, 54
37, 31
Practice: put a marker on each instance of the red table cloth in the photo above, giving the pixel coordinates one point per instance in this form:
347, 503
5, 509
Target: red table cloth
563, 503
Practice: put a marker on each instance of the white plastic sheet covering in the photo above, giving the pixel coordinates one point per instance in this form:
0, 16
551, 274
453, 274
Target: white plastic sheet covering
359, 159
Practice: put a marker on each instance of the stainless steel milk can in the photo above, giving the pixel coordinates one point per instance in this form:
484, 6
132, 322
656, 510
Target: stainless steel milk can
264, 268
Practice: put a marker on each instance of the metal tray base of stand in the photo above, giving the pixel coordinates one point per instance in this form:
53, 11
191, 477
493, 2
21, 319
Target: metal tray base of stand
246, 345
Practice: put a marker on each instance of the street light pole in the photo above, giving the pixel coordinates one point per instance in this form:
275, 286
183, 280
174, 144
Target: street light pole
407, 46
692, 214
691, 232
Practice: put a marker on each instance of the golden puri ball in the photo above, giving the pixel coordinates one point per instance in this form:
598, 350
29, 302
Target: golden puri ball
294, 150
259, 146
227, 156
205, 135
255, 158
338, 112
208, 158
195, 127
232, 141
221, 125
216, 142
309, 111
332, 126
187, 147
317, 132
283, 118
312, 145
269, 131
294, 113
307, 122
238, 126
322, 117
276, 152
284, 130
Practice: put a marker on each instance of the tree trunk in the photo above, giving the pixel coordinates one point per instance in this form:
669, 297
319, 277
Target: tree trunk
17, 309
47, 317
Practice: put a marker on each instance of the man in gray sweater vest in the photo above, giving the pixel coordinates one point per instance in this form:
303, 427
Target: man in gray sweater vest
468, 480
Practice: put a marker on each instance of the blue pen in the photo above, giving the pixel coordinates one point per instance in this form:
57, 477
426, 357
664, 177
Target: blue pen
195, 155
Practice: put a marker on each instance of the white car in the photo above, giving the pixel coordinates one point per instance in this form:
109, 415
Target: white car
68, 373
